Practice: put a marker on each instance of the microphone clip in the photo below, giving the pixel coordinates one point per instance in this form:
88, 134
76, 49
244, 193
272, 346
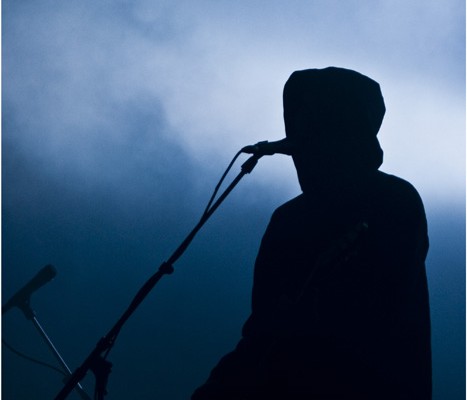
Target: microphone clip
259, 148
265, 148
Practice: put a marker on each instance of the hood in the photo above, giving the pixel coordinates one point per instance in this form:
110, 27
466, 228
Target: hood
342, 107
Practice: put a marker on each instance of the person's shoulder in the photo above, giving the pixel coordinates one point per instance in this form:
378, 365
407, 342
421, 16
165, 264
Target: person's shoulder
291, 206
395, 184
399, 207
397, 192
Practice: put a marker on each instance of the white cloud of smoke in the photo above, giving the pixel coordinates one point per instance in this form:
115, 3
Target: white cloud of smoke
76, 73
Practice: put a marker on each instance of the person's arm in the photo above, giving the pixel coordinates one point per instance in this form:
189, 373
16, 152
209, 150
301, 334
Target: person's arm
236, 372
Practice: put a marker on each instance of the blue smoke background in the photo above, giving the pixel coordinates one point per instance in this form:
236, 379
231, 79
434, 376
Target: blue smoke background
118, 118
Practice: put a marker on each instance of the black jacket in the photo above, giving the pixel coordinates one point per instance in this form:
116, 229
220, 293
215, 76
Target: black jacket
340, 302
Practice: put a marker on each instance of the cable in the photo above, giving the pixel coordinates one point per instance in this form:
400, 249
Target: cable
211, 200
31, 359
207, 209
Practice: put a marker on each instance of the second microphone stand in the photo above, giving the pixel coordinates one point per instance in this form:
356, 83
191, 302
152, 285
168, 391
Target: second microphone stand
25, 307
95, 361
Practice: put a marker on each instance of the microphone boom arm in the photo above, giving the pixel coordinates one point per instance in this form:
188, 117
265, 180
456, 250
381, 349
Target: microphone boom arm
105, 344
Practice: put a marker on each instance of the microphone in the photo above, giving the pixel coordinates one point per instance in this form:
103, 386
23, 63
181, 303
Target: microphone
265, 148
21, 297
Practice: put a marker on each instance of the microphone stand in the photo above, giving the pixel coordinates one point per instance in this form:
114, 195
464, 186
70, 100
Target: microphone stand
95, 361
29, 313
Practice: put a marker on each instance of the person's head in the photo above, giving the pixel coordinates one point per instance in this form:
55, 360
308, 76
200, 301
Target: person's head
333, 116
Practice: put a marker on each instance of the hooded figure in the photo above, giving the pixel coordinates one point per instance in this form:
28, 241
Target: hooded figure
340, 300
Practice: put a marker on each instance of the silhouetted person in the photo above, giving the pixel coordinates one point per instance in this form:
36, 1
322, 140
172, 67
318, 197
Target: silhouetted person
340, 301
